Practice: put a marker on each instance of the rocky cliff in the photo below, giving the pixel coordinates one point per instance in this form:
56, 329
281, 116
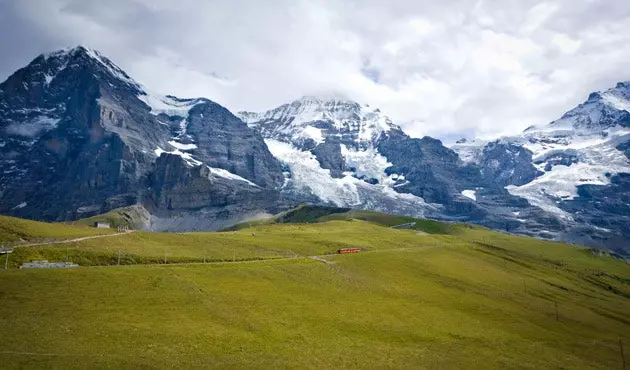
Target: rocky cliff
80, 137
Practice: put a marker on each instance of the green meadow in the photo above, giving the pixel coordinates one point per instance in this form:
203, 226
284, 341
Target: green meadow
445, 296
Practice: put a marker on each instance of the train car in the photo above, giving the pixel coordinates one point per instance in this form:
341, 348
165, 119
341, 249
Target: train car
348, 250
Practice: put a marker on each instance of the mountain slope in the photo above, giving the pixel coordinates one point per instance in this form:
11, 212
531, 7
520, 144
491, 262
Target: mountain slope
80, 137
341, 153
575, 168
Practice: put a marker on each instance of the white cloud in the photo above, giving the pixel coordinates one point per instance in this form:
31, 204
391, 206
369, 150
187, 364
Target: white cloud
438, 68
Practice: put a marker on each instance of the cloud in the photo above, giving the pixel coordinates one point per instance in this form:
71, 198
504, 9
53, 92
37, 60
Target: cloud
469, 67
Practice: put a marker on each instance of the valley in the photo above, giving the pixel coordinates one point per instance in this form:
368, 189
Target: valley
437, 295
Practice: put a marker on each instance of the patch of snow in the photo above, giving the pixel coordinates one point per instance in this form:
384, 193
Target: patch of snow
616, 101
160, 104
313, 133
33, 127
229, 175
187, 157
181, 146
368, 163
469, 151
307, 176
48, 79
19, 206
167, 105
471, 194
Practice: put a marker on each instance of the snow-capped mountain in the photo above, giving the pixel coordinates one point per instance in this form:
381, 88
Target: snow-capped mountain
350, 155
80, 137
310, 120
329, 147
577, 166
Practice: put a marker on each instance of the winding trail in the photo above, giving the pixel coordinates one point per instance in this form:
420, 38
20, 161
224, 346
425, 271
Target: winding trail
73, 240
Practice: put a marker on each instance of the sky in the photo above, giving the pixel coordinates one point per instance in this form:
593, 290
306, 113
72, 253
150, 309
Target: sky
447, 69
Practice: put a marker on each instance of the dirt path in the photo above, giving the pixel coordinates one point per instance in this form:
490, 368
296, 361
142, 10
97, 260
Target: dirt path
73, 240
203, 263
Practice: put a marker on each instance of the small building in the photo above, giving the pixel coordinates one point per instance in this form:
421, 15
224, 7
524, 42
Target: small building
101, 225
348, 250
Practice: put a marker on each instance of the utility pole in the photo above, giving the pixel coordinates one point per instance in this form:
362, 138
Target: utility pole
165, 260
233, 256
623, 357
6, 262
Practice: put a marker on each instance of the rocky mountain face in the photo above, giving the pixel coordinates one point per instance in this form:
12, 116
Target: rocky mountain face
345, 154
566, 180
575, 168
80, 137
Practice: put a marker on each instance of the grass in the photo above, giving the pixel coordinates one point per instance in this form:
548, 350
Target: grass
314, 214
15, 230
446, 307
461, 297
259, 242
133, 217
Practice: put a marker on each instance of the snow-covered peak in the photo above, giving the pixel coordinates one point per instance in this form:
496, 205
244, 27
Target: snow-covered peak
307, 109
75, 55
317, 118
618, 97
600, 112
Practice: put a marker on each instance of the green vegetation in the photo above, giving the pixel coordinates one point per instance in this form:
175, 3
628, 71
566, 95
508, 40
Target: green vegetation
259, 242
313, 214
15, 230
301, 214
451, 296
133, 217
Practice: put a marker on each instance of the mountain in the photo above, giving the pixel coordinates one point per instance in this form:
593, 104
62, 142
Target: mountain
576, 168
350, 155
565, 180
80, 137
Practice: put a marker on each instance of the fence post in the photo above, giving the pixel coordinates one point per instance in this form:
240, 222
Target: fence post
623, 357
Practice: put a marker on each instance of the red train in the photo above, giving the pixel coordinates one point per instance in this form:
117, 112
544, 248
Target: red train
348, 250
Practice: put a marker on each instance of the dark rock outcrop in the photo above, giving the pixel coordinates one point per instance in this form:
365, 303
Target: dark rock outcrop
507, 164
79, 139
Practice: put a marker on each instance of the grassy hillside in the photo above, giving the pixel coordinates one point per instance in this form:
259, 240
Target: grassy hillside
258, 242
133, 217
450, 296
313, 214
448, 306
15, 230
